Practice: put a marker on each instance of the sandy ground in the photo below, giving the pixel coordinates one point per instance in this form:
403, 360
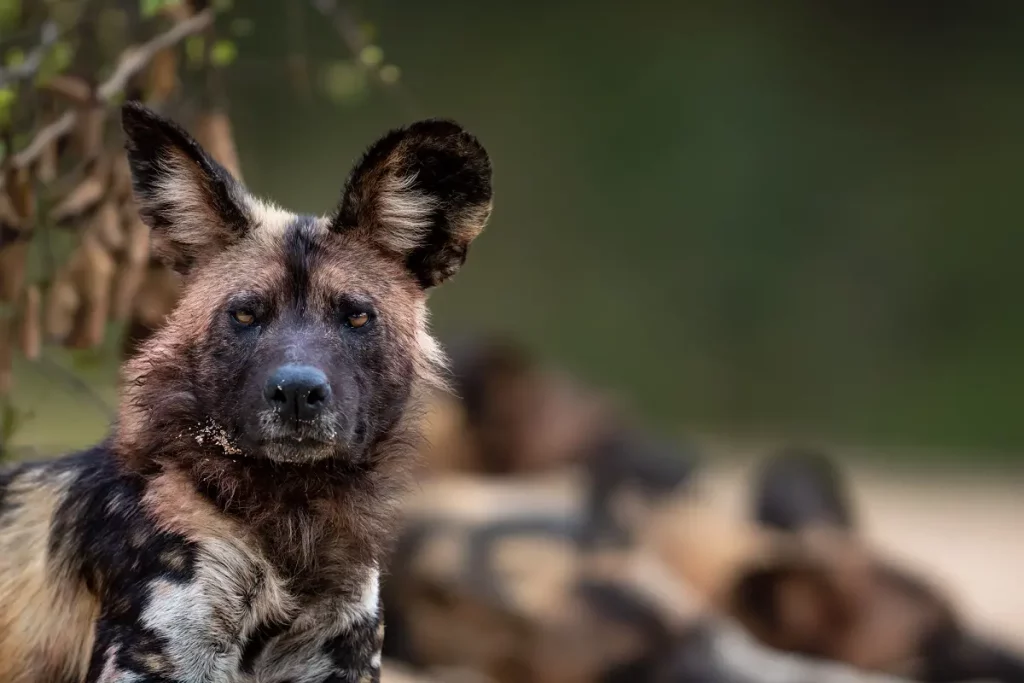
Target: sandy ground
964, 531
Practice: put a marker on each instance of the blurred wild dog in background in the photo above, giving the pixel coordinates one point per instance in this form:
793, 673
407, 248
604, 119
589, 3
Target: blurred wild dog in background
549, 573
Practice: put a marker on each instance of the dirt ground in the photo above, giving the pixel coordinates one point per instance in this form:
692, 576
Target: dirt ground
965, 531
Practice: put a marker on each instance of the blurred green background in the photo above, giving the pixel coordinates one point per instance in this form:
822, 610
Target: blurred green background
798, 218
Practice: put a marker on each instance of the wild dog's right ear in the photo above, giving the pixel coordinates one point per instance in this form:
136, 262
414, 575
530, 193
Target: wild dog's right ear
798, 488
193, 205
421, 193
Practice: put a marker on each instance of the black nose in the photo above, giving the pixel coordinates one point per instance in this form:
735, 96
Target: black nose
298, 391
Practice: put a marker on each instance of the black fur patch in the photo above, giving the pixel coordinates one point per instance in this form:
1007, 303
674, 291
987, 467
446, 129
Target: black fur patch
258, 642
627, 459
950, 654
353, 651
620, 604
302, 251
105, 537
799, 487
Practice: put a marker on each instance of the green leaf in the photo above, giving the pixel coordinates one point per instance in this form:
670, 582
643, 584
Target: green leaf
55, 62
14, 57
148, 8
389, 74
223, 53
10, 12
344, 81
61, 54
7, 100
195, 51
371, 55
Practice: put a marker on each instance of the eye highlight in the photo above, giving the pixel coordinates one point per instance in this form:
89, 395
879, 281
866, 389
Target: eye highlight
243, 317
357, 320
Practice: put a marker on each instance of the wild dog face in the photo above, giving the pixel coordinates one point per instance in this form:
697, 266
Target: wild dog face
298, 338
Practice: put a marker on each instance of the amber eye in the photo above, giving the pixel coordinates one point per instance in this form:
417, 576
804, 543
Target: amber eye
357, 319
243, 317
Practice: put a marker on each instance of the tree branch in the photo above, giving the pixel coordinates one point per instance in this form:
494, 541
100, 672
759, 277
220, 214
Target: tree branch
132, 61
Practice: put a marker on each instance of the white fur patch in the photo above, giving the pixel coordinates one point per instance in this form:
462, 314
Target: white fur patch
204, 621
268, 220
176, 186
432, 358
207, 621
404, 212
369, 605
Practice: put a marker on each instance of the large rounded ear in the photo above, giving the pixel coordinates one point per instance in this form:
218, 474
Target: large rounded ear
192, 204
422, 193
797, 488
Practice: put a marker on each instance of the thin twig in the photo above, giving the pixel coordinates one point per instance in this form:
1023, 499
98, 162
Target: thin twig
30, 65
131, 62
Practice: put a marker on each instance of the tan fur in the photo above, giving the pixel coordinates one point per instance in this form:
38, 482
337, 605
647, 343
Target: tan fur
706, 549
447, 447
535, 571
474, 500
177, 508
46, 619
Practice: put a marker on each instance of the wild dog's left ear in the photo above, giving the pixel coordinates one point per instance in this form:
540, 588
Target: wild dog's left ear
422, 193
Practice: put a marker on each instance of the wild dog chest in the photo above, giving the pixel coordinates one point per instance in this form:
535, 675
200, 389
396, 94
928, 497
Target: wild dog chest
236, 621
192, 595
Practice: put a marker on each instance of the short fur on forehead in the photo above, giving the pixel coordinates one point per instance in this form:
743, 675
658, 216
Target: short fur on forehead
423, 193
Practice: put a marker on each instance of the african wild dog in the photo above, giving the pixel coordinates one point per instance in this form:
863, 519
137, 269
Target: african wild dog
843, 601
232, 525
489, 575
801, 579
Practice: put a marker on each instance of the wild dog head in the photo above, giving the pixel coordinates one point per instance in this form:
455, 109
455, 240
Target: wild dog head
298, 339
